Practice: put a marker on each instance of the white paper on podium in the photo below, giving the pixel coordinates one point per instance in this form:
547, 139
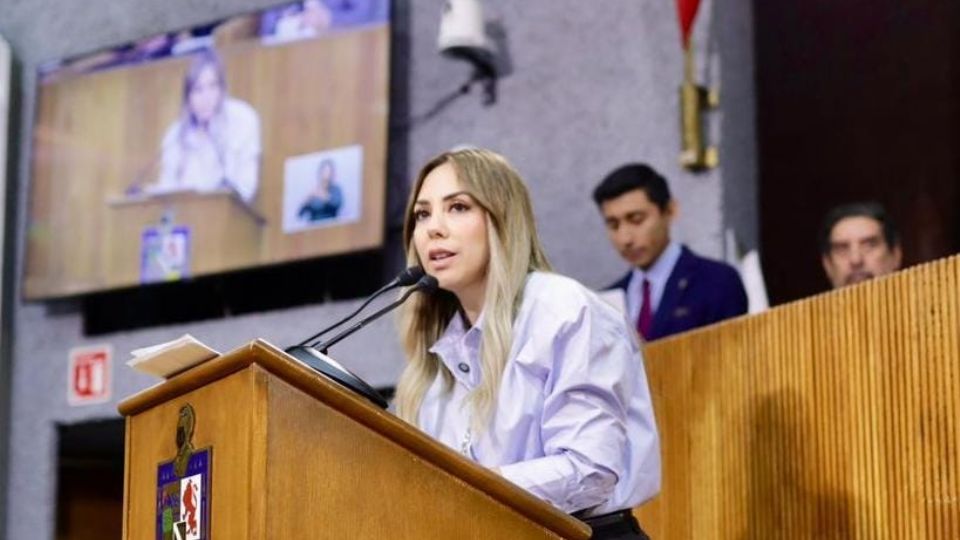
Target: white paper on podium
167, 359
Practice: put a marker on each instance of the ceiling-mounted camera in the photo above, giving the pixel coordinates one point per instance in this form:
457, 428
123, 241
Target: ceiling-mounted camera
463, 36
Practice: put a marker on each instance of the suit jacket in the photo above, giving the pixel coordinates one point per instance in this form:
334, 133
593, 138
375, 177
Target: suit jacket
699, 292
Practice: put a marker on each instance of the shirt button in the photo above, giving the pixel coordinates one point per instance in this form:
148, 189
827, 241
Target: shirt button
462, 366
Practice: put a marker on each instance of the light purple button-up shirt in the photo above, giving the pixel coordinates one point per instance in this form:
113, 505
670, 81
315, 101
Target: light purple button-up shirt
573, 422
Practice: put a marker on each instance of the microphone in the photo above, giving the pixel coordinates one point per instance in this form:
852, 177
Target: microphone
428, 284
408, 276
140, 178
316, 357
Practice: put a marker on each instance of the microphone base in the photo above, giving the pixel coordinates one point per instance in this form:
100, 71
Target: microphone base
329, 367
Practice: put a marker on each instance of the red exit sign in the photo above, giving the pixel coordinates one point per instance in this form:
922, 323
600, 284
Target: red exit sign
89, 376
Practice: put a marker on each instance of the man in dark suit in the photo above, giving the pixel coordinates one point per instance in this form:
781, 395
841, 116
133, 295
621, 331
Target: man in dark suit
669, 289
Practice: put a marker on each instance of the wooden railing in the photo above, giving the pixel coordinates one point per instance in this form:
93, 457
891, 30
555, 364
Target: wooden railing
837, 416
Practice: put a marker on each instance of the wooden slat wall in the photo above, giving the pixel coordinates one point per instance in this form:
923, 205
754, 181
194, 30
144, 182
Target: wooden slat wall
837, 416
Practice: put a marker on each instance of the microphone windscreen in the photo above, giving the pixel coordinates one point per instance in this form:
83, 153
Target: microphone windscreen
428, 284
410, 276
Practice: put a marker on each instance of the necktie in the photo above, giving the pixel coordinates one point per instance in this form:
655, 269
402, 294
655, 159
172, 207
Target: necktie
645, 320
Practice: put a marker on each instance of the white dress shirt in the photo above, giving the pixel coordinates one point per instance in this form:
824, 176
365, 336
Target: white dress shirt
573, 422
658, 275
195, 160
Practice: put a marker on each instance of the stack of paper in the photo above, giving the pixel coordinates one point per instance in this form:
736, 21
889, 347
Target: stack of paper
167, 359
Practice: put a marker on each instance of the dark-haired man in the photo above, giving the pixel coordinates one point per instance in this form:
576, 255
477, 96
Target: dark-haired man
858, 241
669, 289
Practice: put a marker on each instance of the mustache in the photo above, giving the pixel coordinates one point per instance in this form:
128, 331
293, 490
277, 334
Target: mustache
858, 276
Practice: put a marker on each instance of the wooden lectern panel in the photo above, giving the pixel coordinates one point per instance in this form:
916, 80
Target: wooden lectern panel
295, 456
224, 231
837, 416
350, 482
228, 416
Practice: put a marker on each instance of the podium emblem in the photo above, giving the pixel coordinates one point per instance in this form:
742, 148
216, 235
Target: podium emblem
183, 486
164, 253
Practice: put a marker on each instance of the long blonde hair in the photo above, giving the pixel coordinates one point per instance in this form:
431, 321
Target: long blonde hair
515, 251
189, 124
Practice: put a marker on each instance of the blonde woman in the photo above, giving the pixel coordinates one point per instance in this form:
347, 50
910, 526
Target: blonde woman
519, 369
215, 143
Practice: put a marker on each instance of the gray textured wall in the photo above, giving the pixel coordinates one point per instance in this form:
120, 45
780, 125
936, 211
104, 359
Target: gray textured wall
593, 84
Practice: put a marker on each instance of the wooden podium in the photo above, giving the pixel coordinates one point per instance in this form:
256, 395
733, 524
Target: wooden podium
293, 455
225, 231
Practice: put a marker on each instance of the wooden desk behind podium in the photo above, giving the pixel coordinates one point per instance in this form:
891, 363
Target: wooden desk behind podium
225, 232
297, 457
837, 416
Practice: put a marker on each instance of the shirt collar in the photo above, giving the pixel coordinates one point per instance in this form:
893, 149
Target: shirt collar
452, 334
660, 271
459, 344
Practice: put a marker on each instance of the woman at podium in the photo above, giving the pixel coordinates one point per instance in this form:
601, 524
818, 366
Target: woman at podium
215, 143
520, 369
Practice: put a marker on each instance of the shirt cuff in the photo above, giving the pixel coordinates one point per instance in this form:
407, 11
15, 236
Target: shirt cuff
563, 481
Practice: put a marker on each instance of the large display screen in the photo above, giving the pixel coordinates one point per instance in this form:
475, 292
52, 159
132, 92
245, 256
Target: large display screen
254, 140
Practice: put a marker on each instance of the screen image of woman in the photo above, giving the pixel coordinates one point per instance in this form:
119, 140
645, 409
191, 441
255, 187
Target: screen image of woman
519, 369
215, 143
325, 200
